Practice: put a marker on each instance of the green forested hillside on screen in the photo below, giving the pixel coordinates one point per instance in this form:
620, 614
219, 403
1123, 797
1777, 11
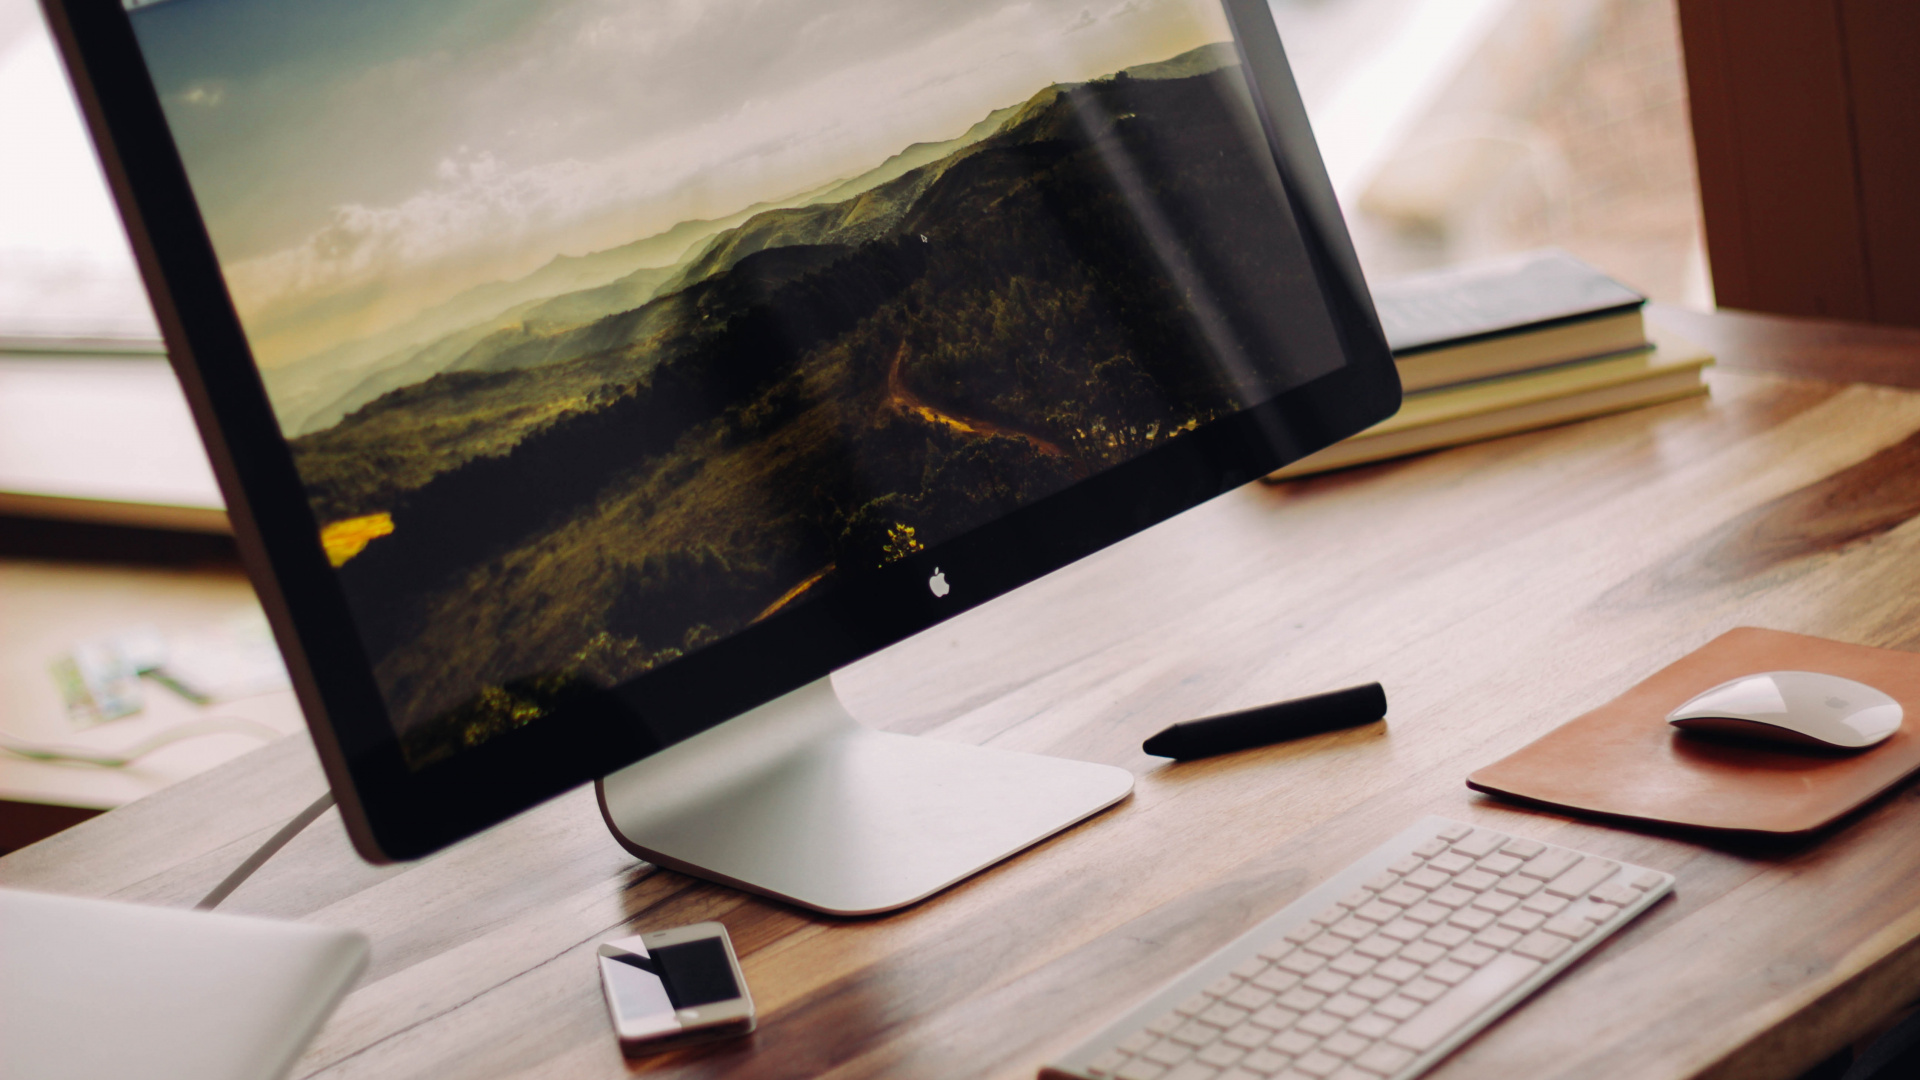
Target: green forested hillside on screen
820, 388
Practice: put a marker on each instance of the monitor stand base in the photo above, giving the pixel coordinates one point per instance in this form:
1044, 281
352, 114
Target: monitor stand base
797, 801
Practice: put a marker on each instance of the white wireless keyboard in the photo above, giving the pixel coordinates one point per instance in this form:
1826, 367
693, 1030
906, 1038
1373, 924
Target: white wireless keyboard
1381, 971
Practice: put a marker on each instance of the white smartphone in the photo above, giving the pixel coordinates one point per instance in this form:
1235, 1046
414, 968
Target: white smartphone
675, 986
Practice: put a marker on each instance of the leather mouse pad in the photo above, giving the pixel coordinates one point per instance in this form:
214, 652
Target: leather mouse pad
1624, 760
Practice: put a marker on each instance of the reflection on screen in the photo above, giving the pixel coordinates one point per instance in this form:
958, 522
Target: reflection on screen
602, 330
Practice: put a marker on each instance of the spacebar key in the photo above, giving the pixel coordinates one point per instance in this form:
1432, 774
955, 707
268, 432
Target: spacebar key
1462, 1003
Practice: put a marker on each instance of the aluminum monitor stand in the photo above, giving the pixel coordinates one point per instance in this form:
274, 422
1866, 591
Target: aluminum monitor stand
797, 801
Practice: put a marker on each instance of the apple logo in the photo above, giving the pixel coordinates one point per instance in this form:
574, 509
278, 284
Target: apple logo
938, 583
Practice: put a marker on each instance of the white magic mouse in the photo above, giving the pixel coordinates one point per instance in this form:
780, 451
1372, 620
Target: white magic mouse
1801, 707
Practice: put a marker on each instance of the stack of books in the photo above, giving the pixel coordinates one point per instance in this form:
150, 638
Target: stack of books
1510, 345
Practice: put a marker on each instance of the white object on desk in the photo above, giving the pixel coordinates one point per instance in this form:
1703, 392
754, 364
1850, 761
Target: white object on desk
1795, 707
94, 988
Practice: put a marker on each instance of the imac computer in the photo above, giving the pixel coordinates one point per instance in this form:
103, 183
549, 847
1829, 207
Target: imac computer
589, 379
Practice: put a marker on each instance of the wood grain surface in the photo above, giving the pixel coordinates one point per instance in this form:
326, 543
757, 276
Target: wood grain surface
1496, 590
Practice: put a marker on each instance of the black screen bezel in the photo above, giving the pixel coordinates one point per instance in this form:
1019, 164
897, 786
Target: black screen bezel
393, 812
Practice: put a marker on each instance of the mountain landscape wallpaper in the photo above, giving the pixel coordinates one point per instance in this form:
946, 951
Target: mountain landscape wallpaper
583, 404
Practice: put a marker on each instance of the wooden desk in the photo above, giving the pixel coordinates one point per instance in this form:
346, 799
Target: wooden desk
1497, 590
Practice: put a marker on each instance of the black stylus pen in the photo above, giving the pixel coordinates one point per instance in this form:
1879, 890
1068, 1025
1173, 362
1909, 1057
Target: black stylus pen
1270, 723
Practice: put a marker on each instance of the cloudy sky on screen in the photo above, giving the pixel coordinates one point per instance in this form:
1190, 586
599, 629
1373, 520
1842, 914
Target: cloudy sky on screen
358, 160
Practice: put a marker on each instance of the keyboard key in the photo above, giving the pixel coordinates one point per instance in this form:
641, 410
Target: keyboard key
1277, 980
1472, 918
1377, 947
1519, 885
1422, 952
1452, 897
1427, 879
1476, 880
1301, 1000
1343, 1044
1327, 982
1496, 902
1454, 831
1303, 933
1293, 1042
1500, 864
1352, 965
1353, 929
1249, 997
1303, 962
1481, 844
1447, 936
1377, 912
1223, 1054
1401, 896
1192, 1070
1569, 926
1451, 863
1140, 1069
1223, 1016
1428, 913
1137, 1042
1327, 945
1397, 1007
1498, 937
1590, 872
1222, 986
1370, 1026
1472, 954
1198, 1003
1245, 1037
1106, 1063
1165, 1023
1460, 1004
1600, 913
1546, 904
1550, 863
1346, 1006
1318, 1063
1274, 1018
1384, 1059
1647, 879
1402, 930
1193, 1033
1264, 1062
1349, 1072
1424, 989
1169, 1052
1523, 921
1397, 970
1382, 880
1542, 946
1525, 849
1407, 864
1320, 1025
1372, 988
1616, 892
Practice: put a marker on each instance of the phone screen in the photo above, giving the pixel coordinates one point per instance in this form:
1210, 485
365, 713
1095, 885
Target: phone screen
697, 973
672, 977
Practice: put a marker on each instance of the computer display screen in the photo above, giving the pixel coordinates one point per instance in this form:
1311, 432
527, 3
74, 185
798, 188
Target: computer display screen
603, 330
